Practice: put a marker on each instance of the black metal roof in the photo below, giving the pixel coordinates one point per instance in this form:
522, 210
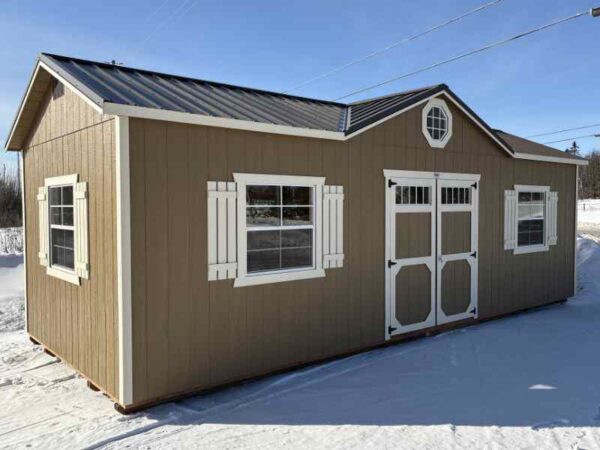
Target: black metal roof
104, 82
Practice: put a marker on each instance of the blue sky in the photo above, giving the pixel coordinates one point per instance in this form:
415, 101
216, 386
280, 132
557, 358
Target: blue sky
544, 82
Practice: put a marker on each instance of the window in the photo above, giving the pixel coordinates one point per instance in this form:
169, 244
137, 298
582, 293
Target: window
437, 123
413, 195
278, 228
62, 229
456, 196
530, 219
530, 216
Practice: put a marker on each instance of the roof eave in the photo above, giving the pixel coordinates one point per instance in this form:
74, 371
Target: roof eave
45, 63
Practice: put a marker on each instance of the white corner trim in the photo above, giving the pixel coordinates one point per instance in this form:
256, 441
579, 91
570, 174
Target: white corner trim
439, 103
551, 159
220, 122
23, 215
575, 229
124, 262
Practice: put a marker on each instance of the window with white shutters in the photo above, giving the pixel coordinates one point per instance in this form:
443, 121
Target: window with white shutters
530, 217
273, 228
63, 228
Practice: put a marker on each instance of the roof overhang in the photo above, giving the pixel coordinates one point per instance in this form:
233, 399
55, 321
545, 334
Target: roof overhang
45, 70
41, 78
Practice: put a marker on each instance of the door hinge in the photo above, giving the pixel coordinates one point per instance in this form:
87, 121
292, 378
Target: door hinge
391, 183
474, 254
391, 329
474, 185
473, 311
391, 263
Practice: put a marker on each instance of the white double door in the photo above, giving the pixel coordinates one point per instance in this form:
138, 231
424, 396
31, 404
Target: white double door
431, 249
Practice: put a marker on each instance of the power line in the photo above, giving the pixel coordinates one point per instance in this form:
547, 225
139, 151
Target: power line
562, 131
469, 53
574, 138
157, 10
391, 46
169, 19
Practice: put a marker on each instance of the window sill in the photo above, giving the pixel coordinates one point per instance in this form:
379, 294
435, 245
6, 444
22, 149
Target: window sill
531, 249
69, 277
253, 280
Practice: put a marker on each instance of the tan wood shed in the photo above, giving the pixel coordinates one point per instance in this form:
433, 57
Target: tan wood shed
183, 234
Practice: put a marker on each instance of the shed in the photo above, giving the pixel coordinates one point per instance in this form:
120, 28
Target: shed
183, 234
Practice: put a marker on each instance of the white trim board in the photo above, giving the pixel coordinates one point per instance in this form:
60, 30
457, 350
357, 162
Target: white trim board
551, 159
24, 237
124, 262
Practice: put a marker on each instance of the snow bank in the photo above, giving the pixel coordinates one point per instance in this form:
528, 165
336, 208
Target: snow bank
11, 241
11, 292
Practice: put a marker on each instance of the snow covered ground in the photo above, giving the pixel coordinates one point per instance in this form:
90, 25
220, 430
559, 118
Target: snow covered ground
528, 381
588, 218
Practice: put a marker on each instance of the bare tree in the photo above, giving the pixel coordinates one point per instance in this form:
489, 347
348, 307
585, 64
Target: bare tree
10, 198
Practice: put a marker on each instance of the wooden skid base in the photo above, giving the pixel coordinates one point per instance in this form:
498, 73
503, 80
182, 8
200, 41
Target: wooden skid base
92, 386
393, 341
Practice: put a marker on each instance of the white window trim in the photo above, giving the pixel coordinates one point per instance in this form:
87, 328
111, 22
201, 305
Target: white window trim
62, 273
317, 271
537, 247
436, 102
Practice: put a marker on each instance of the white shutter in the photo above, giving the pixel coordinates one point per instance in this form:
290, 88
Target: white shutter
333, 227
222, 230
510, 220
551, 220
43, 224
82, 262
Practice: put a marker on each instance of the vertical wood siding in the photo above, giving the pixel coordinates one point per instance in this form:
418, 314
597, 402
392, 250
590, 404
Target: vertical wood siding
79, 323
191, 334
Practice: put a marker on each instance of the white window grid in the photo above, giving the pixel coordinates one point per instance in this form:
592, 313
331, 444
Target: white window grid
60, 227
437, 123
456, 196
539, 203
413, 195
282, 227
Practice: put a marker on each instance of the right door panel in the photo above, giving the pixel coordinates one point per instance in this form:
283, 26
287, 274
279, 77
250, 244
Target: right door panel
456, 268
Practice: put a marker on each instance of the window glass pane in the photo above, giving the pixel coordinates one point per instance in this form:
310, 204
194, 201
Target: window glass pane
260, 240
62, 248
524, 196
537, 196
262, 195
297, 195
297, 216
263, 260
67, 215
420, 195
296, 238
426, 195
67, 195
468, 196
263, 216
405, 195
531, 232
413, 195
529, 211
296, 258
55, 215
54, 193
